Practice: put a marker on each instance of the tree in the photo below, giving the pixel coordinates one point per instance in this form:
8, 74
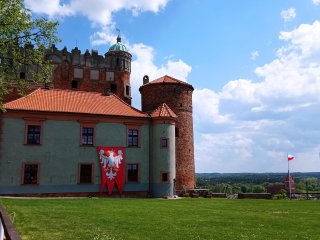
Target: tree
23, 42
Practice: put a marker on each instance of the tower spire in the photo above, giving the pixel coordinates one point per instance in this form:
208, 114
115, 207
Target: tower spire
119, 35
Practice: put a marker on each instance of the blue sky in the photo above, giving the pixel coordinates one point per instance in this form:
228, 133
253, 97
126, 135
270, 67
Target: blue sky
255, 67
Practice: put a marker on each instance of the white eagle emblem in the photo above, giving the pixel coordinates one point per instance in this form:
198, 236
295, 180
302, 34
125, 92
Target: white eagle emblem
111, 161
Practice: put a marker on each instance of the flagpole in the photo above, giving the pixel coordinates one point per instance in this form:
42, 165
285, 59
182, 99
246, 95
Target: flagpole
289, 177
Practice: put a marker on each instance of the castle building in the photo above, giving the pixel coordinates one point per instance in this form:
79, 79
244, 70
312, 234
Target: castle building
80, 136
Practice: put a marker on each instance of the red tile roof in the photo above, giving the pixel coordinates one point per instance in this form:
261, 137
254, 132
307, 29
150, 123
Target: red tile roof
56, 100
163, 111
167, 79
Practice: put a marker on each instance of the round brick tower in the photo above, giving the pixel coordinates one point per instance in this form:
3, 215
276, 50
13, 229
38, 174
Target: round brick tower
178, 96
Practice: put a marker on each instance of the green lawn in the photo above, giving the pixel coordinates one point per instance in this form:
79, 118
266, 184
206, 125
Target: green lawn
164, 219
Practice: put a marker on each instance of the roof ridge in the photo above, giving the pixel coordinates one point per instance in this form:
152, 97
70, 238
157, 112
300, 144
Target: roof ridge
59, 100
166, 79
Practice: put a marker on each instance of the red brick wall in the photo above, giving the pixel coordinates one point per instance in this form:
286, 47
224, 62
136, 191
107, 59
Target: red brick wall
12, 95
179, 98
64, 75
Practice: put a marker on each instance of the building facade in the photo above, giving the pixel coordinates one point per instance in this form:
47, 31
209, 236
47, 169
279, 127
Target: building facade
49, 138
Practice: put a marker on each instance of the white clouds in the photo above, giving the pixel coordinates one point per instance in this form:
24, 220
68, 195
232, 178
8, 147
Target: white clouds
206, 107
254, 55
305, 38
99, 12
49, 7
241, 90
266, 118
288, 15
316, 2
222, 151
144, 65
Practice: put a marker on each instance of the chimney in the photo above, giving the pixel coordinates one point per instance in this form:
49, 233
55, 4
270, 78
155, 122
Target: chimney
145, 79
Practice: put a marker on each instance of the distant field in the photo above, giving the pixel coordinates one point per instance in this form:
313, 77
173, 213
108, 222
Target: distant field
164, 219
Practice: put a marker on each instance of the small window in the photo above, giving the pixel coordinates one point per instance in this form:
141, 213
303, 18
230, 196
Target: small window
164, 142
164, 177
177, 132
78, 73
113, 88
34, 134
74, 84
110, 76
133, 138
30, 173
127, 93
85, 175
87, 135
22, 75
94, 74
133, 172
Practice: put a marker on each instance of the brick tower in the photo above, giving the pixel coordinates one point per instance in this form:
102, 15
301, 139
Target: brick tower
178, 96
92, 72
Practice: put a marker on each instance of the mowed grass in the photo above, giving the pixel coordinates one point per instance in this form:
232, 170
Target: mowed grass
164, 219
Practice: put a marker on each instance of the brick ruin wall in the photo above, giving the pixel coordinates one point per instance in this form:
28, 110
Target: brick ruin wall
179, 98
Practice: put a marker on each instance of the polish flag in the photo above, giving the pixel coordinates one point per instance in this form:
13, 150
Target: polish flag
290, 157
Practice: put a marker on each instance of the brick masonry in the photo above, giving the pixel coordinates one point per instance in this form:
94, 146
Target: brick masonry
64, 75
178, 97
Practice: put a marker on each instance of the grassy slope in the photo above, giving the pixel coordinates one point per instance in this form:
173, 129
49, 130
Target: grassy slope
164, 219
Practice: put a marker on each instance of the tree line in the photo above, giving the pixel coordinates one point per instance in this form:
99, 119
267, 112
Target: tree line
231, 183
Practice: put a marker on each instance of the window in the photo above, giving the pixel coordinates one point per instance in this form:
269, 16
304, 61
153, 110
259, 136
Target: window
133, 137
87, 135
110, 76
177, 132
113, 88
22, 75
94, 74
78, 73
85, 174
132, 172
30, 173
164, 177
74, 84
127, 91
34, 134
33, 131
164, 142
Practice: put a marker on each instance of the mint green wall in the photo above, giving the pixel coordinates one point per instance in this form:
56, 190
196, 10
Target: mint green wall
60, 154
163, 159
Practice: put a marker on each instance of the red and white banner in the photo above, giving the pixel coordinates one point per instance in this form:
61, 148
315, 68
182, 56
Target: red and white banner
290, 157
112, 167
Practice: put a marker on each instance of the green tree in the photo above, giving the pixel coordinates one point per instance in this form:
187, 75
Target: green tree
23, 42
258, 189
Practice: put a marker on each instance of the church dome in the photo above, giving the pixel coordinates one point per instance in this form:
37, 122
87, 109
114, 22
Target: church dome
118, 46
